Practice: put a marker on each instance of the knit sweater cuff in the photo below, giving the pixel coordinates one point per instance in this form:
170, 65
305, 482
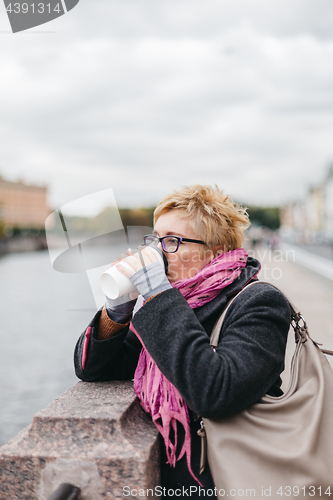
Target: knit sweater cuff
108, 328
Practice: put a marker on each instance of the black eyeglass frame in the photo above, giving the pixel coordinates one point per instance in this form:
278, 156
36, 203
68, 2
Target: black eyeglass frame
178, 238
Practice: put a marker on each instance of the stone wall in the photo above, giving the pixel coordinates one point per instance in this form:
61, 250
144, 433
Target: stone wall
95, 436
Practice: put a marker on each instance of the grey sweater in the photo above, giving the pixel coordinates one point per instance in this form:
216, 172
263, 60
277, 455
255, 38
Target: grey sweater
246, 365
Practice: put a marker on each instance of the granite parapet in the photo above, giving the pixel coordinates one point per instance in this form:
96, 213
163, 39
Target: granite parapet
95, 436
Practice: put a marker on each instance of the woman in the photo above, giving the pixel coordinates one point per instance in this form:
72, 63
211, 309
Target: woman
201, 232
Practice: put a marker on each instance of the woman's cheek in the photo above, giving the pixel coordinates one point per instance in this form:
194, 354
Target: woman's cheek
172, 257
185, 257
172, 274
178, 264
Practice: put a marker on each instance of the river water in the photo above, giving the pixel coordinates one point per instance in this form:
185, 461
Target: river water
42, 313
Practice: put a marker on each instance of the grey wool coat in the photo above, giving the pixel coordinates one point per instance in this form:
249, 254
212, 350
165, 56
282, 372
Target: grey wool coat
246, 365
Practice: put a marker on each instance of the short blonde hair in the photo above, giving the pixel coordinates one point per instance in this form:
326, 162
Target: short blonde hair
213, 215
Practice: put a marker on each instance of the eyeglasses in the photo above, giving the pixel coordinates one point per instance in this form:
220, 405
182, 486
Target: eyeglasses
170, 244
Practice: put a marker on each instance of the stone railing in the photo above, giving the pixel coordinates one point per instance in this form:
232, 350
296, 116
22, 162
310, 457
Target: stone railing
95, 436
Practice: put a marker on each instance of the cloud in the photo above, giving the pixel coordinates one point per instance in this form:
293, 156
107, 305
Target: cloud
144, 97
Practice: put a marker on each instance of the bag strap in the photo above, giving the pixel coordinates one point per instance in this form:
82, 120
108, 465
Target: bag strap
297, 321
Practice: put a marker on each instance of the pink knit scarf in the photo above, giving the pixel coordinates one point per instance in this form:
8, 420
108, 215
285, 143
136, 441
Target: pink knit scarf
158, 396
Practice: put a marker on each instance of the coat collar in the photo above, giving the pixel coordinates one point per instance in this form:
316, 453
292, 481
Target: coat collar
208, 313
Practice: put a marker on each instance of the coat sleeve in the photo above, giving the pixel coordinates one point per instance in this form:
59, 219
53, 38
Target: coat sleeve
247, 361
111, 359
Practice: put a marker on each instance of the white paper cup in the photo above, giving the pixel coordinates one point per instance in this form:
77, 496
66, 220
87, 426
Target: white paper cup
115, 284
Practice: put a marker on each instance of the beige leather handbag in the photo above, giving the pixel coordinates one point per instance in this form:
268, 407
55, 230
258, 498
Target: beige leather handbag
282, 446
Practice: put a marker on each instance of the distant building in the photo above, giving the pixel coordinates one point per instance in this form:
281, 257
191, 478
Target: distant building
314, 206
313, 214
328, 193
23, 205
293, 216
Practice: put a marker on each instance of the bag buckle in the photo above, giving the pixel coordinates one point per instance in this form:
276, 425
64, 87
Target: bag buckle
300, 328
203, 456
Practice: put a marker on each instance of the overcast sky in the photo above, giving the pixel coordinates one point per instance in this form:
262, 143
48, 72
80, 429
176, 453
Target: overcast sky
143, 96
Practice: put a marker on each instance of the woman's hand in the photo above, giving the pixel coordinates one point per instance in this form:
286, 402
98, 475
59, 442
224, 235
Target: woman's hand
145, 271
136, 261
119, 309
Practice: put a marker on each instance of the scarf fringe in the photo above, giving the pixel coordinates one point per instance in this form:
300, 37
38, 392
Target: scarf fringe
163, 402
